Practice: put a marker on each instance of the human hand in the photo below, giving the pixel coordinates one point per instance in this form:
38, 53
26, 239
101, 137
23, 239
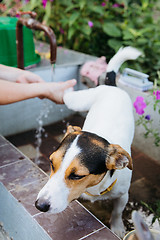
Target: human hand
11, 92
55, 90
29, 77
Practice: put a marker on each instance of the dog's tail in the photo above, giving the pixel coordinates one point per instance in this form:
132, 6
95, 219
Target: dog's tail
123, 54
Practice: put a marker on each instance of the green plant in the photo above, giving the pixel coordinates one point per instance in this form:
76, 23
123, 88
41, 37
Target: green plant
155, 209
147, 120
101, 27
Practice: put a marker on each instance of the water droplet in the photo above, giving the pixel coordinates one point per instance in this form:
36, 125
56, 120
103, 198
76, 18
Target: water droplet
46, 135
40, 130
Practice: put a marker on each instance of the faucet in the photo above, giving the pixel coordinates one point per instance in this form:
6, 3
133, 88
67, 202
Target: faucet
33, 24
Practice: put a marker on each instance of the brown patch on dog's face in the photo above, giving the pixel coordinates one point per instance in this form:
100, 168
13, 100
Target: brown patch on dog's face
76, 168
80, 186
97, 143
78, 179
57, 156
55, 160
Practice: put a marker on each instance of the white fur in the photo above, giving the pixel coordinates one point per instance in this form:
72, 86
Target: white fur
123, 54
55, 191
111, 117
110, 113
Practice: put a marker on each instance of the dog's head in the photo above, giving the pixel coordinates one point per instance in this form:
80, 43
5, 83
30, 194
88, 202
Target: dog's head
81, 161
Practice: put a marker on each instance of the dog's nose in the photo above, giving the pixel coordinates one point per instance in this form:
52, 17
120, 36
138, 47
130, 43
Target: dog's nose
42, 205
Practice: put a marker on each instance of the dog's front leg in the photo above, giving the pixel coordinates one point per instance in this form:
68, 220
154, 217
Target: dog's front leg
116, 221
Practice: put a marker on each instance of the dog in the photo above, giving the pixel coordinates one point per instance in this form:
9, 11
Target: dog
95, 162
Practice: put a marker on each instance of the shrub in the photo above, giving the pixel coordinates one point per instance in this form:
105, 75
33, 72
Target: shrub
101, 27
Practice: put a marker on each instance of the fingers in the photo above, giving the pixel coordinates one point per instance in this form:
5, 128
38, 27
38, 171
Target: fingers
57, 90
29, 77
70, 83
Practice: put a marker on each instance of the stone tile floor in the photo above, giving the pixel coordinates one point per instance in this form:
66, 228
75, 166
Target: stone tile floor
146, 173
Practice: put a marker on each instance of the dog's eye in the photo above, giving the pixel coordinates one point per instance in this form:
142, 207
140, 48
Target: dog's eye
74, 176
52, 165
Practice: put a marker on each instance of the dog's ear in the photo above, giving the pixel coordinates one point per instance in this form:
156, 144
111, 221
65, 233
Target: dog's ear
118, 158
71, 129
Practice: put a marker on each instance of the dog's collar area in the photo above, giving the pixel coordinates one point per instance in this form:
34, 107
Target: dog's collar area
103, 192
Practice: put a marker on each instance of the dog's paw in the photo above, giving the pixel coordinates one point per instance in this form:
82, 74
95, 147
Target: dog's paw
118, 228
68, 100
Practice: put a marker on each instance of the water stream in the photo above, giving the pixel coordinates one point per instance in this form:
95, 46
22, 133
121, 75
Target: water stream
44, 113
40, 131
45, 110
53, 68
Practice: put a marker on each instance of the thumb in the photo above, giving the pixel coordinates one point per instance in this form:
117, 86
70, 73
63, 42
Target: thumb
69, 84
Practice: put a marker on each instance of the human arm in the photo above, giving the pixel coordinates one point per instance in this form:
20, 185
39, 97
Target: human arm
18, 75
11, 92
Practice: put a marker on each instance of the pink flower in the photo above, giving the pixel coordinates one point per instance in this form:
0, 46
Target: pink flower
103, 4
61, 30
116, 5
139, 105
157, 94
90, 24
44, 3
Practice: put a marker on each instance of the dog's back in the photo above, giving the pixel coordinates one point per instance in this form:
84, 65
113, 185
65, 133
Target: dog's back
110, 113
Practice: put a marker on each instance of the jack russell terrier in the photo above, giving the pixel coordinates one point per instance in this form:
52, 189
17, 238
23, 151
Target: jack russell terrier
95, 162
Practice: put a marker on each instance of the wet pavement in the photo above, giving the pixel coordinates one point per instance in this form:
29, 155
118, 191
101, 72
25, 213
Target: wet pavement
145, 180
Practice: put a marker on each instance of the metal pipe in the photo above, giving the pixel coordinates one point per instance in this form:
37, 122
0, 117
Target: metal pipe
33, 24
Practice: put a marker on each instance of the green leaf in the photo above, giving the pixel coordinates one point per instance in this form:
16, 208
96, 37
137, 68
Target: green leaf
134, 32
47, 12
72, 6
142, 41
86, 30
111, 29
34, 4
145, 4
70, 33
97, 9
73, 18
115, 44
82, 3
127, 35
